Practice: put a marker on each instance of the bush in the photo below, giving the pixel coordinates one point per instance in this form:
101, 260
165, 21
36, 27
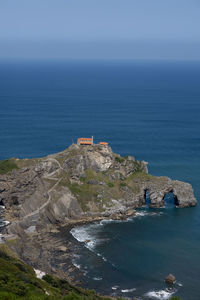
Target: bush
7, 166
73, 296
7, 296
51, 280
119, 159
110, 184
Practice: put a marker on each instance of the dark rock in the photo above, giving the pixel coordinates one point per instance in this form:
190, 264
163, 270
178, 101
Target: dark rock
170, 279
93, 181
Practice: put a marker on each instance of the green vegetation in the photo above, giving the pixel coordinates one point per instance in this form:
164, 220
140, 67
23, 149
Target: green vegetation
110, 184
18, 281
105, 188
139, 176
7, 166
84, 193
138, 166
119, 159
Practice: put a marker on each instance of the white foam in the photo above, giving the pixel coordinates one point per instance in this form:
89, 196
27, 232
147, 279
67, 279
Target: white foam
179, 284
2, 206
39, 273
86, 234
162, 295
107, 221
115, 287
141, 214
128, 290
6, 222
76, 265
97, 278
85, 272
102, 256
82, 235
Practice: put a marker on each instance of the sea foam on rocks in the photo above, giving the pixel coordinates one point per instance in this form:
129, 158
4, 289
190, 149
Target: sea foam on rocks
128, 290
81, 234
162, 294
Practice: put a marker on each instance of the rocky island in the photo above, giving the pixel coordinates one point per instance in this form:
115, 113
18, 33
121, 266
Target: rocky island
45, 197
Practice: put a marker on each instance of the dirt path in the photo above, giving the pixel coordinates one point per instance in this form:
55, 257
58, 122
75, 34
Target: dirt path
49, 191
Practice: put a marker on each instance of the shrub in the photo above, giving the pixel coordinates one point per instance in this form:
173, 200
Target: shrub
110, 184
119, 159
7, 166
51, 280
73, 296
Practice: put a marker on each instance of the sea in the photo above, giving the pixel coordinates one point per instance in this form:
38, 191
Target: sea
148, 109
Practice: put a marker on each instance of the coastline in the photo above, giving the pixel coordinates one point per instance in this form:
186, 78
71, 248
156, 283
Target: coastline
46, 198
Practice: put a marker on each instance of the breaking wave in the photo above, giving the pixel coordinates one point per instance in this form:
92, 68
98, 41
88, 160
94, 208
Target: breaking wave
87, 234
162, 294
128, 290
114, 287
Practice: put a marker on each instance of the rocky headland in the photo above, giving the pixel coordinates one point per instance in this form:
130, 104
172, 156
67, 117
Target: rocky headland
45, 197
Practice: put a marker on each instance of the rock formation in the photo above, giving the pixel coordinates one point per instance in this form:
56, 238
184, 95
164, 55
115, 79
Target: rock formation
82, 181
80, 184
170, 279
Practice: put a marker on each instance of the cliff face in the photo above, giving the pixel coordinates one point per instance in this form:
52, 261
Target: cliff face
79, 182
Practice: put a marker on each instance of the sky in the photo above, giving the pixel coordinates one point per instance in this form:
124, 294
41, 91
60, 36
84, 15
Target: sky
78, 29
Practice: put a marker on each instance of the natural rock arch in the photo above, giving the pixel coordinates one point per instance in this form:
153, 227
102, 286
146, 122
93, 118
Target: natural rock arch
171, 195
156, 191
157, 198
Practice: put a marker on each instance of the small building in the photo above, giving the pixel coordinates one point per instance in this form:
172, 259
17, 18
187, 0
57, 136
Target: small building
103, 143
85, 141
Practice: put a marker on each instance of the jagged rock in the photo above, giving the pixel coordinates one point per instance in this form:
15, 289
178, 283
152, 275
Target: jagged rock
129, 212
170, 279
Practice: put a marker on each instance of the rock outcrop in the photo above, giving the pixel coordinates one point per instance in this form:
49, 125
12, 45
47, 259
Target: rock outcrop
82, 181
170, 279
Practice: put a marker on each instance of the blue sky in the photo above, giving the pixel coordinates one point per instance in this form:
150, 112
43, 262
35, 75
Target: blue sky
100, 29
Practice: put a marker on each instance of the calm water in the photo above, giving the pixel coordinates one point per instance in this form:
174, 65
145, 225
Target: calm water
148, 109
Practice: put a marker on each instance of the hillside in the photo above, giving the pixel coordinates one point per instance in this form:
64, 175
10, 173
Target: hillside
19, 281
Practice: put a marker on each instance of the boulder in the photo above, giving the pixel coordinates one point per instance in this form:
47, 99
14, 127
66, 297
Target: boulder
170, 279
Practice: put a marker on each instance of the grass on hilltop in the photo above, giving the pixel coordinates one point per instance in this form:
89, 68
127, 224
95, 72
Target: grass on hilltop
7, 166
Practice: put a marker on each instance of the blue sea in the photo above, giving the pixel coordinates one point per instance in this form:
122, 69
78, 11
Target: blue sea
149, 109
